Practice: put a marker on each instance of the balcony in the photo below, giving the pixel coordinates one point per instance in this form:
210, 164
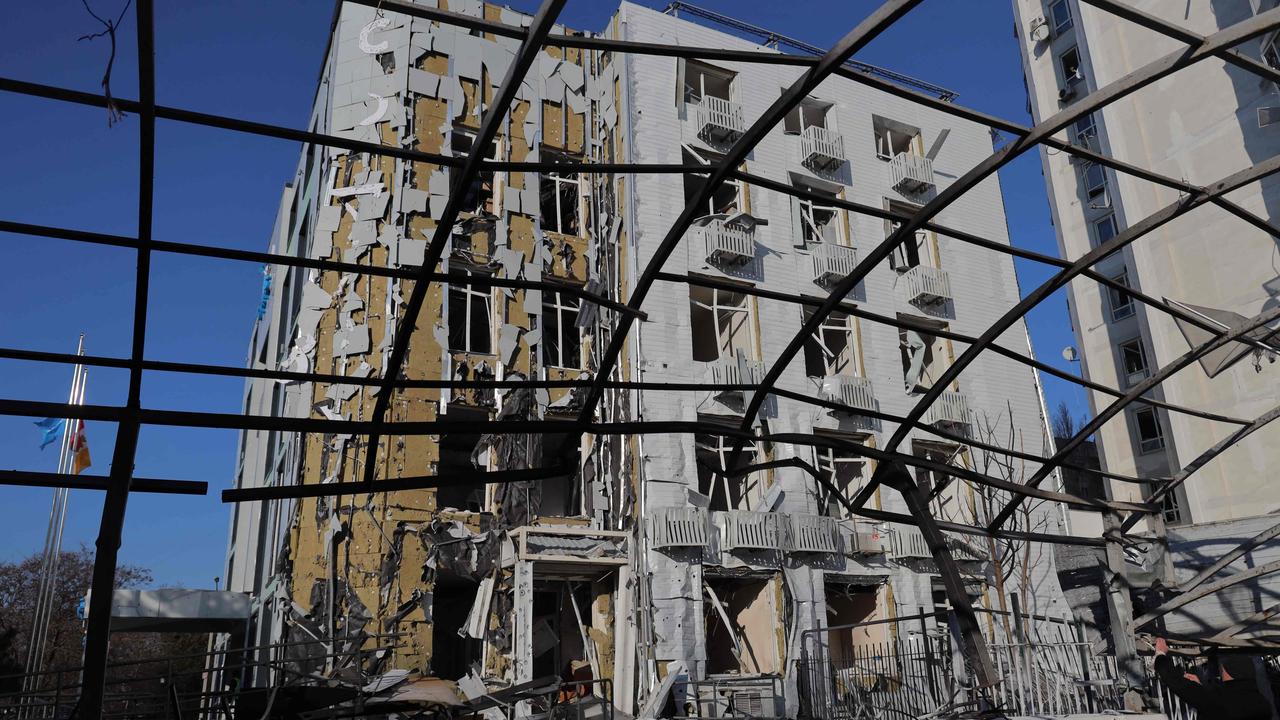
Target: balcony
812, 534
832, 262
675, 527
856, 392
907, 543
727, 244
950, 409
926, 285
911, 173
748, 530
718, 120
821, 149
736, 371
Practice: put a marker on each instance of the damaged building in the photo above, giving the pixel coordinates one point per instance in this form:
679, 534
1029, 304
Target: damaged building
664, 570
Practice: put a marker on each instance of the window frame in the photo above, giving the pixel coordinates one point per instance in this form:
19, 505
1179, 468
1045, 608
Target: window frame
1080, 130
469, 292
1097, 190
1060, 27
1154, 444
828, 462
1269, 50
1121, 306
554, 306
494, 154
558, 179
1110, 219
809, 224
1078, 75
900, 258
686, 95
751, 486
723, 334
794, 122
882, 130
1125, 350
852, 367
740, 188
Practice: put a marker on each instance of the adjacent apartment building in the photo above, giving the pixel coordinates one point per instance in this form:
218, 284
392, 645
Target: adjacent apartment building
1201, 125
649, 558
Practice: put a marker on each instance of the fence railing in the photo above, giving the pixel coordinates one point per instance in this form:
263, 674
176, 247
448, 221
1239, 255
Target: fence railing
910, 172
820, 147
718, 118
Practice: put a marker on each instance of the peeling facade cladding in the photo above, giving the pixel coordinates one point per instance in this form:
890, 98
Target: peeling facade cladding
1207, 258
649, 559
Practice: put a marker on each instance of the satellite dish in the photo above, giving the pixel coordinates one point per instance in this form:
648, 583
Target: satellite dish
1069, 354
1039, 30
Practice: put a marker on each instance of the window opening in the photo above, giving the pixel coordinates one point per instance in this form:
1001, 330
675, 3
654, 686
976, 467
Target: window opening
924, 359
721, 322
909, 253
726, 200
741, 492
561, 338
559, 193
843, 469
1105, 229
479, 197
703, 80
821, 221
1133, 361
1150, 433
456, 451
810, 113
1069, 64
1121, 304
832, 349
1060, 13
893, 138
470, 314
1095, 186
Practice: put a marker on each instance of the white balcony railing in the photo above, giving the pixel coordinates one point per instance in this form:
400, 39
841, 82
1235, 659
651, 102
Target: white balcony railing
749, 530
911, 173
679, 527
718, 119
812, 534
908, 543
926, 285
832, 262
951, 408
821, 148
728, 244
736, 371
856, 392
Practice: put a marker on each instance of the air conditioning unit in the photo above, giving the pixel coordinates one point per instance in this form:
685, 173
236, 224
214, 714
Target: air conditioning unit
749, 530
671, 527
812, 534
863, 538
733, 698
1067, 94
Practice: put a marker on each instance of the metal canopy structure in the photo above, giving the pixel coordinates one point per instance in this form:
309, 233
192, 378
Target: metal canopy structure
625, 311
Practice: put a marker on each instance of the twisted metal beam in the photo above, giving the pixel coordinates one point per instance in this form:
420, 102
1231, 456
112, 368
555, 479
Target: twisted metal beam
543, 23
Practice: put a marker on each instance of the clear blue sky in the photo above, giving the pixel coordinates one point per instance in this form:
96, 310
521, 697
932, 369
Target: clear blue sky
260, 61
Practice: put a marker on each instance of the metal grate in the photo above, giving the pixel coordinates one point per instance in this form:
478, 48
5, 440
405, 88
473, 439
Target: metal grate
951, 409
911, 173
718, 119
925, 285
678, 527
832, 262
728, 244
813, 534
820, 148
750, 530
856, 392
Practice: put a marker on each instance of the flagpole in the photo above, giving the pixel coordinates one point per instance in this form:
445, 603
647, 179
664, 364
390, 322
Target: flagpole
53, 539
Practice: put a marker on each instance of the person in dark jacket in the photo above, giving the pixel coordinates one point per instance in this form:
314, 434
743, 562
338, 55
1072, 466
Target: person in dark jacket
1233, 694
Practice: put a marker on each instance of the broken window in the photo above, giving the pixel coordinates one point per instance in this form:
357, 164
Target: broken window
721, 323
479, 196
893, 138
470, 314
925, 357
728, 199
456, 450
943, 488
1094, 179
810, 113
452, 652
561, 336
1133, 361
833, 349
1085, 132
1171, 507
842, 469
739, 492
1147, 427
1104, 229
741, 621
561, 496
559, 192
820, 220
912, 251
1121, 304
1069, 65
1270, 51
561, 616
1060, 14
701, 80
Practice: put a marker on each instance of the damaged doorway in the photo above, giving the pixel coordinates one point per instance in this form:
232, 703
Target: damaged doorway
572, 636
452, 652
850, 604
740, 615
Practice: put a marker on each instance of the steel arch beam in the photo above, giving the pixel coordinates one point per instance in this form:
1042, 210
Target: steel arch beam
98, 630
866, 31
543, 23
1164, 373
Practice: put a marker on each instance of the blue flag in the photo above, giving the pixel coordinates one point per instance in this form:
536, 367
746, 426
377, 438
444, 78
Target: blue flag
52, 429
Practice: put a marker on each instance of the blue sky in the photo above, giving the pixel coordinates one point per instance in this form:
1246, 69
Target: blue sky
260, 61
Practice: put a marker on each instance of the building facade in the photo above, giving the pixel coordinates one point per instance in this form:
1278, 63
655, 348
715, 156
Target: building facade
654, 555
1209, 261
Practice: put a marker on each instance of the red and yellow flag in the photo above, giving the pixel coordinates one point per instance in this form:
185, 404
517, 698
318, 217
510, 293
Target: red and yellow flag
79, 450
